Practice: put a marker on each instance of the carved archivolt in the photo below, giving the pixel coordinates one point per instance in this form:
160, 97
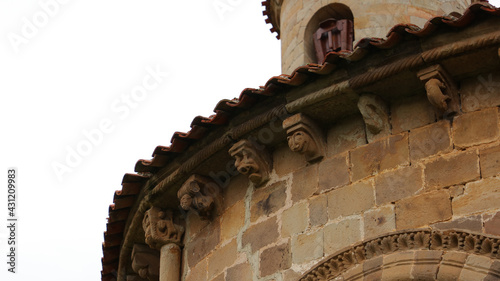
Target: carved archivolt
145, 262
252, 161
198, 193
161, 227
305, 137
375, 112
442, 91
337, 264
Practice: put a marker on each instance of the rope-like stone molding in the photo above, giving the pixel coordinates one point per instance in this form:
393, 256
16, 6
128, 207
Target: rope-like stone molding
421, 239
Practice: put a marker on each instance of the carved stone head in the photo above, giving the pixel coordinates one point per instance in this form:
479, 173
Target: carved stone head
304, 137
145, 262
198, 193
250, 161
161, 227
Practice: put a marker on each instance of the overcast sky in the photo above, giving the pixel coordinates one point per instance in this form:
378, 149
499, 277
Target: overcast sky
88, 88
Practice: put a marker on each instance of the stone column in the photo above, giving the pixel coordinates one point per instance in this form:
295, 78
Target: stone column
164, 232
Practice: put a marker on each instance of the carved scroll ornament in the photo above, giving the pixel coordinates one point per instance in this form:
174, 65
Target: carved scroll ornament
145, 262
161, 227
305, 137
442, 91
251, 161
198, 193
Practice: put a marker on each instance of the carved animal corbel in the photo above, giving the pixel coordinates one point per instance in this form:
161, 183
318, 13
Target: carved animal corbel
375, 112
305, 137
251, 161
146, 263
442, 91
198, 193
161, 227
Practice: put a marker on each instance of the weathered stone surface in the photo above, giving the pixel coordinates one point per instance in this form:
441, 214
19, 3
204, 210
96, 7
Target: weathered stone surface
275, 259
261, 234
286, 161
253, 160
232, 221
379, 221
305, 183
347, 134
307, 247
490, 161
351, 199
451, 266
375, 112
194, 224
472, 262
198, 272
371, 267
267, 200
235, 190
290, 274
494, 269
240, 272
353, 273
304, 136
451, 170
378, 156
222, 258
430, 140
295, 219
318, 210
476, 128
423, 209
473, 224
492, 224
219, 277
397, 266
398, 184
333, 172
429, 269
203, 244
480, 92
411, 113
478, 196
340, 235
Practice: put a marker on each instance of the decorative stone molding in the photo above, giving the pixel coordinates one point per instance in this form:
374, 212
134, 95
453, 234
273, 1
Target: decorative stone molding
442, 91
161, 227
422, 239
305, 137
375, 112
251, 161
146, 263
198, 193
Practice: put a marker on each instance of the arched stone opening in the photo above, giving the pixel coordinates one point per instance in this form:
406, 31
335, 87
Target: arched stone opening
336, 11
414, 255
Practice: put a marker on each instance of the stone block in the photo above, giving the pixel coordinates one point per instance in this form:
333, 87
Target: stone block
378, 156
472, 263
373, 269
492, 224
267, 200
411, 113
430, 140
232, 221
395, 185
424, 209
334, 172
240, 272
398, 266
493, 274
194, 224
318, 210
379, 221
307, 247
342, 234
286, 161
290, 274
473, 223
261, 234
427, 264
305, 183
204, 243
198, 272
235, 190
490, 161
351, 199
295, 219
453, 169
478, 196
346, 134
451, 266
222, 258
476, 128
275, 259
480, 92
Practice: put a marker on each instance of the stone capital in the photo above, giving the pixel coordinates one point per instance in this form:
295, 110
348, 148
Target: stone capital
198, 193
442, 91
146, 263
161, 227
252, 160
305, 137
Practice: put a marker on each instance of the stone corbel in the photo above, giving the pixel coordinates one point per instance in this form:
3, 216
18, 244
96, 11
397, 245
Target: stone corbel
442, 91
161, 227
305, 137
198, 193
251, 161
375, 112
146, 263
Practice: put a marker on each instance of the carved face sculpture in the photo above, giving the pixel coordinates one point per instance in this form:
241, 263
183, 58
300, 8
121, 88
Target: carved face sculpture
186, 201
300, 141
250, 162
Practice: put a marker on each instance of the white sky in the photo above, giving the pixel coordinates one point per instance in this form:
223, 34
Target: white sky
75, 69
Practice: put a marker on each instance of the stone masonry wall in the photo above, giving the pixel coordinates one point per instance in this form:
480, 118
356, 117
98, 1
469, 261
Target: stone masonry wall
371, 19
442, 174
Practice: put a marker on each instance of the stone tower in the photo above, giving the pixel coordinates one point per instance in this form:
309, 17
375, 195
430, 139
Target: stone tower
295, 21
